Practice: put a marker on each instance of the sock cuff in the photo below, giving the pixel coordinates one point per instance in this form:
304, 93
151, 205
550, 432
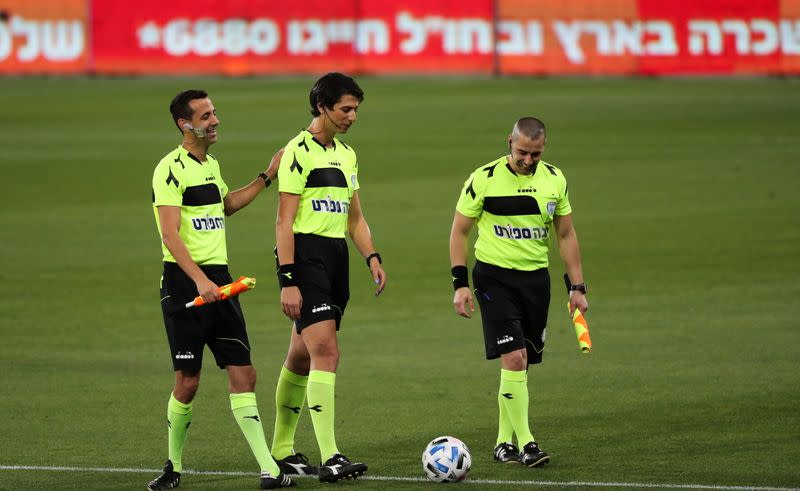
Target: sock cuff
513, 376
293, 378
322, 377
244, 399
177, 406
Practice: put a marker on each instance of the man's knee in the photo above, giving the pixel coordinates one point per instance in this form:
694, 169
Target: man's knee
186, 385
241, 379
516, 360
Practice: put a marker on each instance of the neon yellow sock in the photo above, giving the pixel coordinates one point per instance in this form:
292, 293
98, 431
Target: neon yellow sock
505, 431
290, 396
320, 404
514, 387
245, 411
179, 417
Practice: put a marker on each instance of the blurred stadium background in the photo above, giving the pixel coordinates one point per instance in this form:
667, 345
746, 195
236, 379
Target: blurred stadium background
676, 124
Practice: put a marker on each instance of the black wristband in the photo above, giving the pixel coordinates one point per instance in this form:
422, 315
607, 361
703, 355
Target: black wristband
460, 277
287, 275
265, 177
374, 254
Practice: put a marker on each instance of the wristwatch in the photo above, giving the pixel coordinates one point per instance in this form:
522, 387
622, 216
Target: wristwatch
580, 287
266, 179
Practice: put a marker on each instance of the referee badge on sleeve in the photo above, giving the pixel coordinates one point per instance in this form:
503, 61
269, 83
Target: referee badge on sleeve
551, 207
353, 179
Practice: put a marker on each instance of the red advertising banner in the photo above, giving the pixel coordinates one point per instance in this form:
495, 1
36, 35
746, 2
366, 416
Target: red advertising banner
502, 37
45, 36
284, 36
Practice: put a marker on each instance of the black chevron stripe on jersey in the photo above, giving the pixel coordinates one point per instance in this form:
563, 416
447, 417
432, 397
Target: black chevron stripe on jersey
511, 205
206, 194
470, 190
296, 165
326, 177
489, 169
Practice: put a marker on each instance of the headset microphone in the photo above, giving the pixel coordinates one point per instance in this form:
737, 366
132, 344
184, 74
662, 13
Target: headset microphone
329, 118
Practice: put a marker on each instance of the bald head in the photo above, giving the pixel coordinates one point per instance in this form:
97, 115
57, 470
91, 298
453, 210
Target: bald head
528, 127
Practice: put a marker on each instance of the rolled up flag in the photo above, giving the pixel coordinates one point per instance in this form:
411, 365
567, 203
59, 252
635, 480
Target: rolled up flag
581, 326
239, 286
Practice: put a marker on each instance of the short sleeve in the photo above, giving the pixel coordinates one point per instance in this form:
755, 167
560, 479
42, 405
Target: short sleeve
470, 202
353, 177
167, 185
292, 174
563, 207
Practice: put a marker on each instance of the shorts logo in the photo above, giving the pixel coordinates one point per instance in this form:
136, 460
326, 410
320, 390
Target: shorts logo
329, 205
320, 308
517, 233
551, 207
505, 339
208, 223
184, 355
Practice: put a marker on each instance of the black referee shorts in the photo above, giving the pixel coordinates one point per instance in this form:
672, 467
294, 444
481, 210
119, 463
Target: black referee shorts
514, 308
220, 325
323, 272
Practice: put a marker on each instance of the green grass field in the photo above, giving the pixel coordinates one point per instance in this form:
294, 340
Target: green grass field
686, 205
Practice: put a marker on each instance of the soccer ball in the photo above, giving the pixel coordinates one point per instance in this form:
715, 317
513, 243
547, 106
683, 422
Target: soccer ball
446, 459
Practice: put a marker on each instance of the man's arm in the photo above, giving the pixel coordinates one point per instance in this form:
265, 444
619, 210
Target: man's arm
170, 219
571, 255
291, 299
238, 199
459, 238
362, 238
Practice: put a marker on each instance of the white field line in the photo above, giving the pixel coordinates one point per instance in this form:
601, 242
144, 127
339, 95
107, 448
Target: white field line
649, 485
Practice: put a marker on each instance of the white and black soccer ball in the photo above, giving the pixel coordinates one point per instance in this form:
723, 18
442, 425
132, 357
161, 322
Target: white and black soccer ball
446, 459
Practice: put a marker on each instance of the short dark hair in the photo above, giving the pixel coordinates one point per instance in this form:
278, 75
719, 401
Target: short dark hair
179, 107
330, 88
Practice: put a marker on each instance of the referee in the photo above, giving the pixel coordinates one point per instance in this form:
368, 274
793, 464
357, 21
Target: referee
514, 201
318, 205
190, 202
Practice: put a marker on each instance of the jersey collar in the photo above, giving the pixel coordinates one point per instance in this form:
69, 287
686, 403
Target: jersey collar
190, 154
314, 139
511, 170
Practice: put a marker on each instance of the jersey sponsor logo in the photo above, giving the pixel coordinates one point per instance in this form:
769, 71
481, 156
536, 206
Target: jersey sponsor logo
320, 308
525, 190
551, 207
330, 205
520, 233
505, 339
335, 164
205, 224
210, 178
184, 355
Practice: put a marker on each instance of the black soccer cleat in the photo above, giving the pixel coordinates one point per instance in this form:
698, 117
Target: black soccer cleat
169, 479
296, 464
532, 455
268, 481
506, 453
339, 467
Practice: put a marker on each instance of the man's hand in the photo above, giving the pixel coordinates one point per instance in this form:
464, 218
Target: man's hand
208, 290
291, 302
378, 275
461, 299
577, 300
274, 163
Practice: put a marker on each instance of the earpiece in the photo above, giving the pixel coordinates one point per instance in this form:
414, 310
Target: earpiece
198, 132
